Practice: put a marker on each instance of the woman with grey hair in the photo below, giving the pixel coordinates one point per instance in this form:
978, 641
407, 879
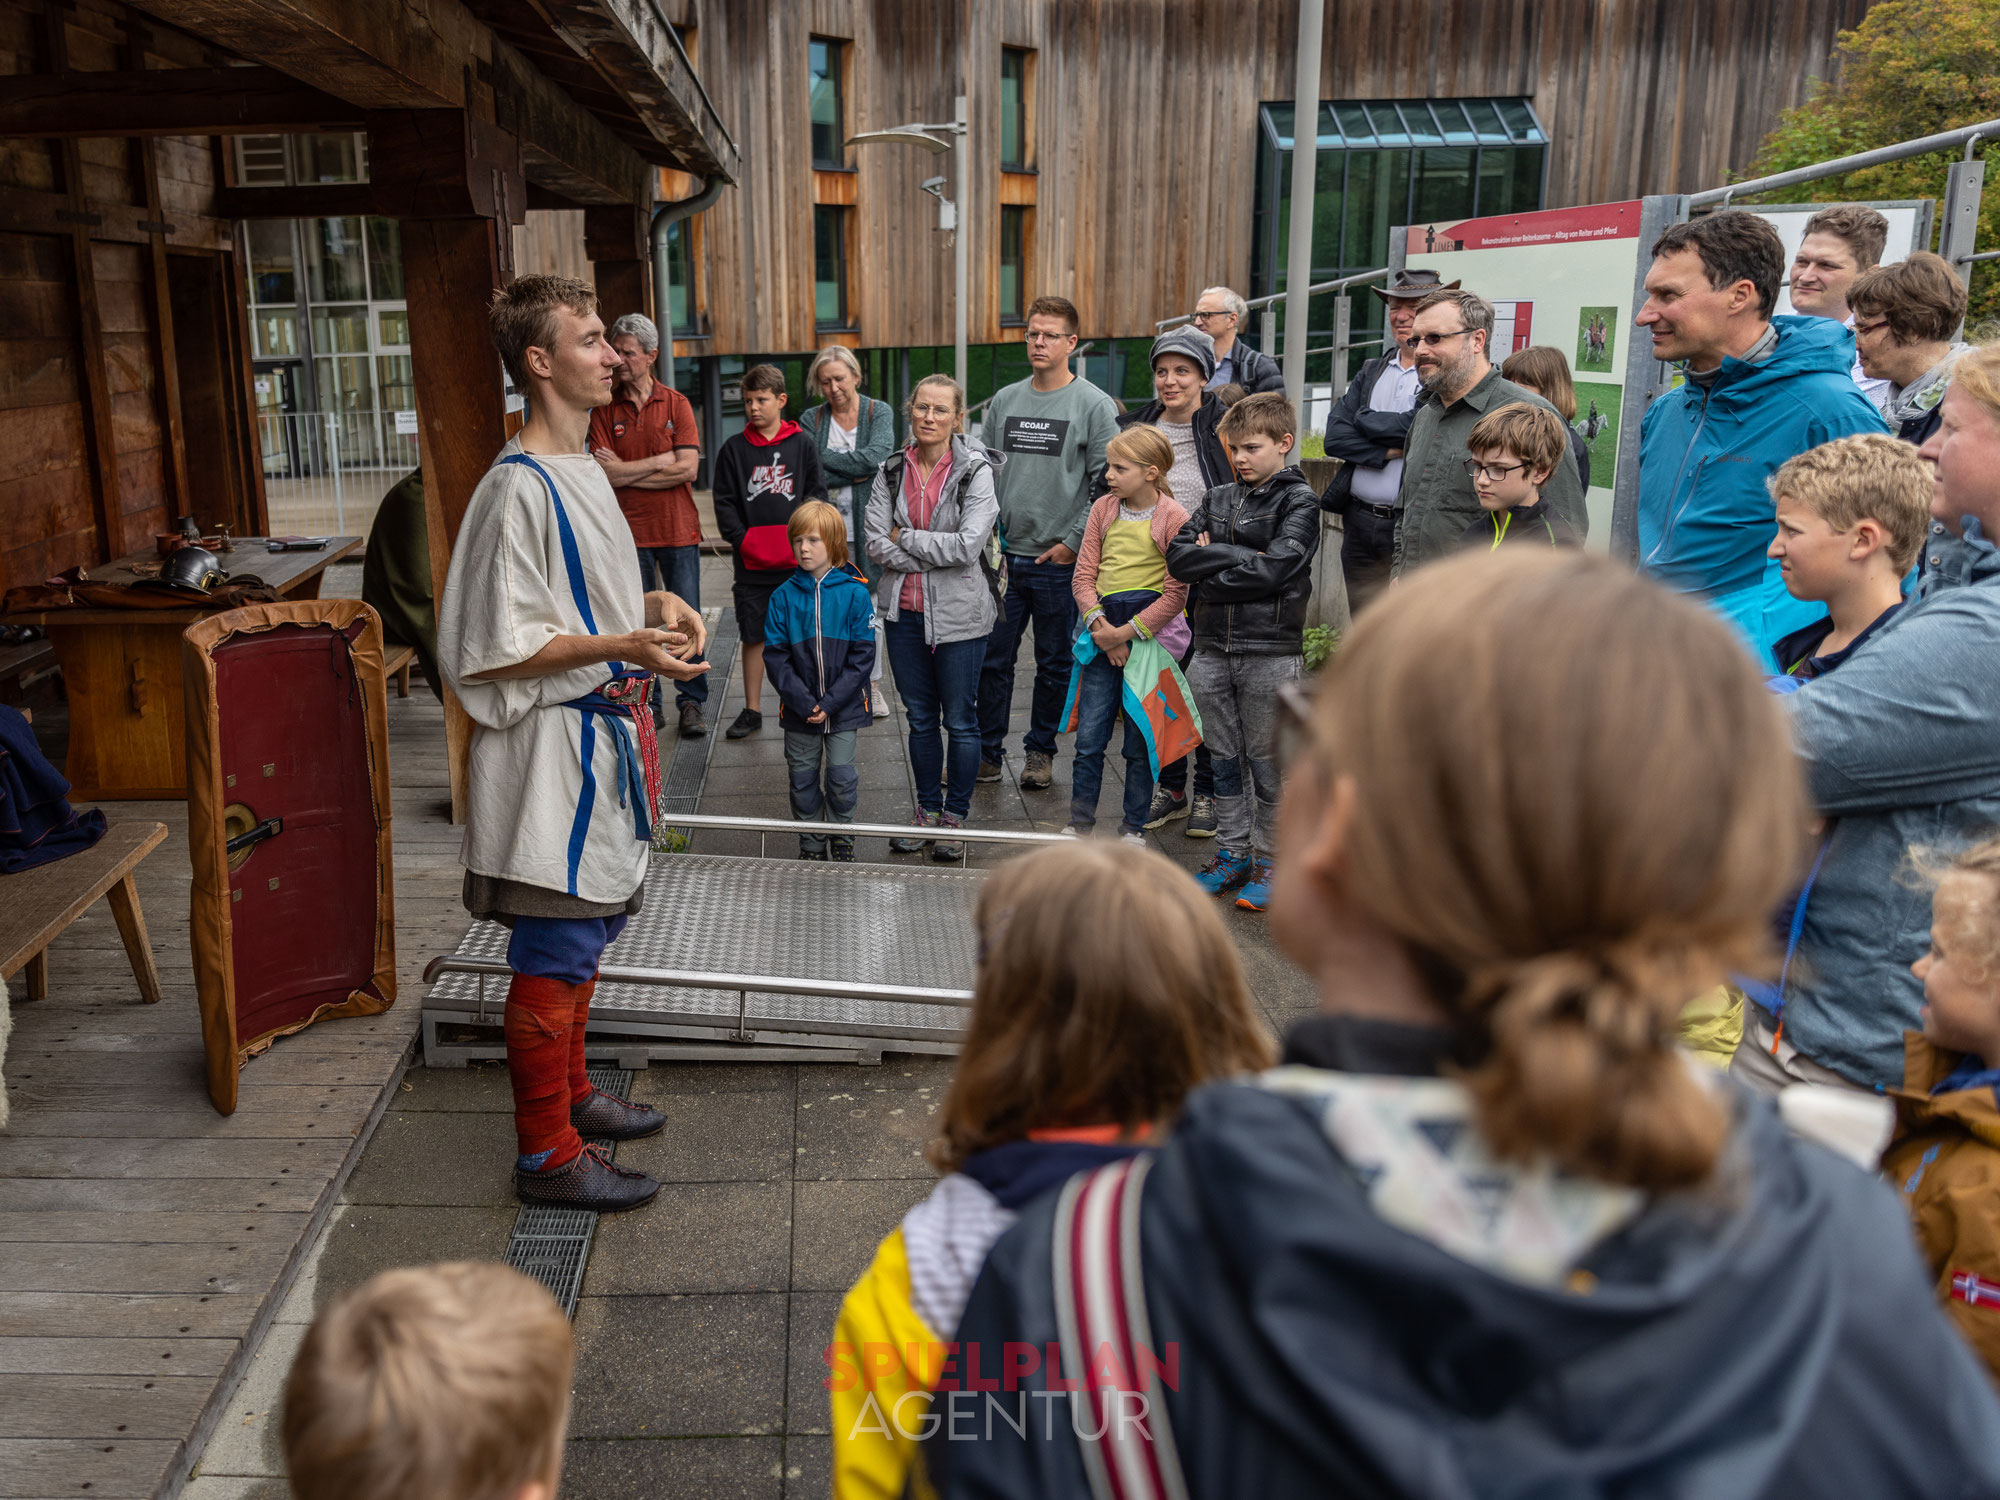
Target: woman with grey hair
854, 434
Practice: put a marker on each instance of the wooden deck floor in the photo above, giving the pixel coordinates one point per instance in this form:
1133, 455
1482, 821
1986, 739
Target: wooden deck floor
145, 1241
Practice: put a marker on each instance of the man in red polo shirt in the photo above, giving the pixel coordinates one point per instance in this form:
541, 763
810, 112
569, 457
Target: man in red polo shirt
647, 443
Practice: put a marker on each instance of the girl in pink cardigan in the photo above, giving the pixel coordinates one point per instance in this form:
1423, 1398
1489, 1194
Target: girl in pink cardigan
1123, 591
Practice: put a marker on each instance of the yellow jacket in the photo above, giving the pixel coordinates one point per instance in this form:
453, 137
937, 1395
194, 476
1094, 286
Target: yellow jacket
876, 1340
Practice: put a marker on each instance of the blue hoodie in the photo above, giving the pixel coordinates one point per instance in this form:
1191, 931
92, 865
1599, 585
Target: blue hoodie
819, 647
1705, 516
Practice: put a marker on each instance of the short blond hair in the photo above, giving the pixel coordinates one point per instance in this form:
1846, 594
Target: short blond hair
1145, 445
824, 522
1867, 477
446, 1382
1533, 434
522, 316
1977, 373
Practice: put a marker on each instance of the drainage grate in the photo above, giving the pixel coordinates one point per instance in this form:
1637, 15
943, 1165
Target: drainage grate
553, 1244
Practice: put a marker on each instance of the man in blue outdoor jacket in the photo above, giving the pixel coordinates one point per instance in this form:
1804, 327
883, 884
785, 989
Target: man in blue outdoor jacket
1757, 390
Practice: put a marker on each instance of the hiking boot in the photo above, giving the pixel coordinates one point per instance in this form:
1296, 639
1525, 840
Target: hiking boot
606, 1117
693, 727
591, 1181
842, 851
1166, 807
1035, 774
915, 845
1201, 821
990, 770
746, 724
1256, 892
1224, 873
948, 851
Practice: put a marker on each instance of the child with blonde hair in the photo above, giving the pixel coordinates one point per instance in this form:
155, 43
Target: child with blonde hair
447, 1382
1945, 1154
819, 648
1123, 593
1108, 991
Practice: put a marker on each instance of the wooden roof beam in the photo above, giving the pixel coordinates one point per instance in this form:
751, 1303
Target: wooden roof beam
167, 101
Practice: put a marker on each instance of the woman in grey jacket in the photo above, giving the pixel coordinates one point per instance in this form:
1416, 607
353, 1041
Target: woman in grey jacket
931, 515
853, 434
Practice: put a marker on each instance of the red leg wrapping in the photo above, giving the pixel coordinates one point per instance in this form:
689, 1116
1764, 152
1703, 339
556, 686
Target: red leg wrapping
541, 1014
579, 1081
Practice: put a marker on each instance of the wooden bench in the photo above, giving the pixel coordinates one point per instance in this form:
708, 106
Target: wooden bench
22, 666
36, 905
396, 663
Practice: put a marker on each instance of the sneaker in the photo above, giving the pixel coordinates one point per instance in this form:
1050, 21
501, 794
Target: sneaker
990, 770
747, 723
590, 1181
1039, 768
914, 846
1256, 892
1133, 838
879, 702
818, 854
1223, 873
1074, 832
1166, 807
606, 1117
1201, 821
693, 727
842, 851
948, 851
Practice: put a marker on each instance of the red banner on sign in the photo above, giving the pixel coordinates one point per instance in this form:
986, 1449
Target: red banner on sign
1554, 226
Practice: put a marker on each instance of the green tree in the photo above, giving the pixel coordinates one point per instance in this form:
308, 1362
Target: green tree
1911, 68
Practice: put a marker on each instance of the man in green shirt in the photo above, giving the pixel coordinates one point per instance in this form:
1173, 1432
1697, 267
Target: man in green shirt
1460, 386
1052, 427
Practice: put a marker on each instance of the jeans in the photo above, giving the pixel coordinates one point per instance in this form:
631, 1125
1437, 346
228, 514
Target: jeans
1238, 699
1174, 774
1100, 705
938, 683
679, 572
804, 752
1367, 544
1041, 592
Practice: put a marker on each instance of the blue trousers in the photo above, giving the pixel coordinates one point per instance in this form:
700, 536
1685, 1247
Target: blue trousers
679, 572
940, 686
564, 948
1037, 592
1100, 707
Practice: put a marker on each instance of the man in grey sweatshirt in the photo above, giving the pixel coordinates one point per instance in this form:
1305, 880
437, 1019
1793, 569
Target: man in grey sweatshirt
1052, 427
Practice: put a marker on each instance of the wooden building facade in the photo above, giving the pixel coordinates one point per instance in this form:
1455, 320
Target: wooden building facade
1135, 152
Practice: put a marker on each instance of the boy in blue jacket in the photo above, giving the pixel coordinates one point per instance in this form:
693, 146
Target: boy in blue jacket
819, 647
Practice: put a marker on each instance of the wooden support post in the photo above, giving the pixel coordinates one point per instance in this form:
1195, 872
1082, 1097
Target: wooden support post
166, 366
616, 237
449, 268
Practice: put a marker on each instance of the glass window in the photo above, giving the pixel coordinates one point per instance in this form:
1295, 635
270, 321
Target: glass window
392, 326
829, 266
1444, 185
828, 128
1013, 262
340, 330
335, 261
277, 335
1013, 107
680, 271
329, 158
273, 260
343, 386
385, 260
260, 161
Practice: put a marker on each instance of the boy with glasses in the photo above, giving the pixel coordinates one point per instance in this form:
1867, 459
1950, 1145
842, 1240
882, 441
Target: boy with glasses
1461, 387
1514, 450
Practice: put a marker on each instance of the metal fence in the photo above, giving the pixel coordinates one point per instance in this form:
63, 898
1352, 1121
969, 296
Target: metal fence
326, 472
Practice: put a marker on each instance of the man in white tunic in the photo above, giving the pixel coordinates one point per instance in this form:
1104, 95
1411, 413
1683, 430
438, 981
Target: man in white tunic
547, 639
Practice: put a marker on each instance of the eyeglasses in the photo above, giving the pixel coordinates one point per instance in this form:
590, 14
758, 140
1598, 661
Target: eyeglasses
1048, 338
1203, 317
934, 411
1432, 340
1474, 468
1294, 734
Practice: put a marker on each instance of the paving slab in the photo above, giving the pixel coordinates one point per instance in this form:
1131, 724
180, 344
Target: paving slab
717, 1137
679, 1366
373, 1237
837, 1225
860, 1131
807, 1408
729, 1468
696, 1237
442, 1159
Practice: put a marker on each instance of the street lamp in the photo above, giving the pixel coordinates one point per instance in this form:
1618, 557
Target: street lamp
950, 214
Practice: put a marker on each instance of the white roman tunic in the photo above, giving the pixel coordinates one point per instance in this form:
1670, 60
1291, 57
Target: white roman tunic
536, 813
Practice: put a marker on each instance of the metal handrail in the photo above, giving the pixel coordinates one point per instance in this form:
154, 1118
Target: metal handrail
1339, 284
844, 830
1944, 140
825, 989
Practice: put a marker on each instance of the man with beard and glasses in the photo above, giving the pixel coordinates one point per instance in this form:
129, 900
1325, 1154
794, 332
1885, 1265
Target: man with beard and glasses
1451, 335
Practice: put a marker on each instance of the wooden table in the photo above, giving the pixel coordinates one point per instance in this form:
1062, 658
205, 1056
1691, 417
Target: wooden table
122, 669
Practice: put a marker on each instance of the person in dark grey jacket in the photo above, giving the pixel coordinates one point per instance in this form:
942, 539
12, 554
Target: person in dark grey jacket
1221, 314
1488, 1232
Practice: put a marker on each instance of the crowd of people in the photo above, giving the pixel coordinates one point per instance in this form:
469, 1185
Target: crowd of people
1487, 1226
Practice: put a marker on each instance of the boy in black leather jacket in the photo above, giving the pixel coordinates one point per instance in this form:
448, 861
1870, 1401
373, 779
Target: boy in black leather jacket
1250, 547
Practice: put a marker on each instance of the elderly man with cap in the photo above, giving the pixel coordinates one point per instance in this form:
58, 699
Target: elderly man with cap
1367, 430
1187, 412
1219, 313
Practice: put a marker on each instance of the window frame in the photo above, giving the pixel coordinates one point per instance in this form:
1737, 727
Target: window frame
838, 50
1022, 217
1024, 109
842, 221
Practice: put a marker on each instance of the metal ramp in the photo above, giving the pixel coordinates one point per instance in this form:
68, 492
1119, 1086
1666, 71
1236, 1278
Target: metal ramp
754, 959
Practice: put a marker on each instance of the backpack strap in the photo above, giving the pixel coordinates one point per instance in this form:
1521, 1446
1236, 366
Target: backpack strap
1119, 1412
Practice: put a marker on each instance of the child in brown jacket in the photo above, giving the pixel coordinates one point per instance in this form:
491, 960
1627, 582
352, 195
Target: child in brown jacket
1945, 1155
